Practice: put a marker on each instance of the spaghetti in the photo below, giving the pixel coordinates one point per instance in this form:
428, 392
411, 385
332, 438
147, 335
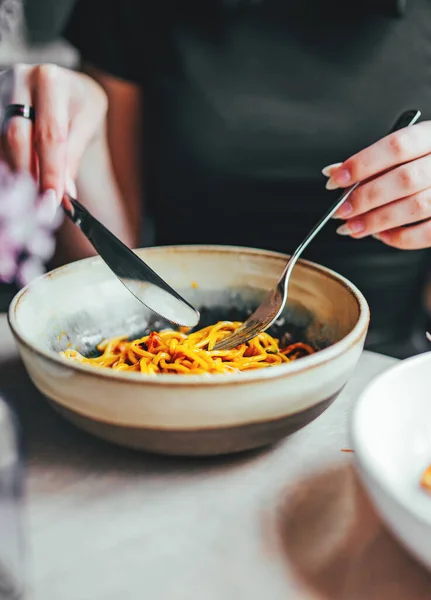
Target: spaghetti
426, 479
171, 351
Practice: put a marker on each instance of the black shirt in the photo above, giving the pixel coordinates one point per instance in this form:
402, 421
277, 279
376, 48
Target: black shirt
244, 106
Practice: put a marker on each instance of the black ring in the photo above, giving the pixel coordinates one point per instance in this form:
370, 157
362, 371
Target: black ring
18, 110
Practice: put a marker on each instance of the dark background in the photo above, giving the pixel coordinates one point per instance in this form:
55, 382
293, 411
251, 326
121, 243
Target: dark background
13, 49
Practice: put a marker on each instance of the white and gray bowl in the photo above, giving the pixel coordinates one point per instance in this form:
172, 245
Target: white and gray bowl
81, 303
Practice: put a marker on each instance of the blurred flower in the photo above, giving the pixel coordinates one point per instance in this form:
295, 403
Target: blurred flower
28, 222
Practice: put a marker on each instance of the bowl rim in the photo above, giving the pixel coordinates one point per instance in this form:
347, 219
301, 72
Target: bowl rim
306, 363
363, 456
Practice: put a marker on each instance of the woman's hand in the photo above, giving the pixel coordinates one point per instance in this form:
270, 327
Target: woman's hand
42, 159
395, 205
70, 108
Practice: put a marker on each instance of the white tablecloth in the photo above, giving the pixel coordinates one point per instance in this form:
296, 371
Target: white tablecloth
290, 522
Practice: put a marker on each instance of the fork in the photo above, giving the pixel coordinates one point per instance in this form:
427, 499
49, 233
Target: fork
274, 301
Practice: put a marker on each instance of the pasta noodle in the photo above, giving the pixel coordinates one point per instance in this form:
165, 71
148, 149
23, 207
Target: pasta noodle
426, 479
172, 351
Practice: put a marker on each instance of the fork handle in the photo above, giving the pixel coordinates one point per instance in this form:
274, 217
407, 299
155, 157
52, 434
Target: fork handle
407, 118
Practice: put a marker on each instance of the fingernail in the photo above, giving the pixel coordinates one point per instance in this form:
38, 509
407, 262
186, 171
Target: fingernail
326, 171
382, 236
71, 187
331, 185
47, 207
344, 211
351, 227
50, 199
341, 177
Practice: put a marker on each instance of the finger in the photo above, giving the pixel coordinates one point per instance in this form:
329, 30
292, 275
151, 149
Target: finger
327, 171
396, 214
406, 180
415, 237
18, 144
394, 149
51, 127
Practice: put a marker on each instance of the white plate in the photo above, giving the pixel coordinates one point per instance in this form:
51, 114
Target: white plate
391, 435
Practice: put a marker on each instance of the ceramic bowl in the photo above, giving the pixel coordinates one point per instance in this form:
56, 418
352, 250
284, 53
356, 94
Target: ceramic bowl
80, 304
391, 436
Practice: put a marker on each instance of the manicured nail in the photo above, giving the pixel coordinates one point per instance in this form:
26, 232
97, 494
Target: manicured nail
49, 200
339, 178
344, 211
383, 236
326, 171
71, 187
331, 185
351, 227
48, 210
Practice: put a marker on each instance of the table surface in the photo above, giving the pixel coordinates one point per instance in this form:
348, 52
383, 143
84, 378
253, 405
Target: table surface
105, 523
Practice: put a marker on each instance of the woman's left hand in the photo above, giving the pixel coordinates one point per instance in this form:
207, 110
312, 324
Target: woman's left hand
395, 205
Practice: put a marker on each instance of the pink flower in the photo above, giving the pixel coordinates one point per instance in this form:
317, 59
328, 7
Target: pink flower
28, 222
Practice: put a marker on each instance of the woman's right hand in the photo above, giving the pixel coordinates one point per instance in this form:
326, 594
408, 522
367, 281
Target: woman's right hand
70, 108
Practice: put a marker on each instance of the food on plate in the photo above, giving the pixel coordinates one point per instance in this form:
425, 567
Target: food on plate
426, 479
171, 351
